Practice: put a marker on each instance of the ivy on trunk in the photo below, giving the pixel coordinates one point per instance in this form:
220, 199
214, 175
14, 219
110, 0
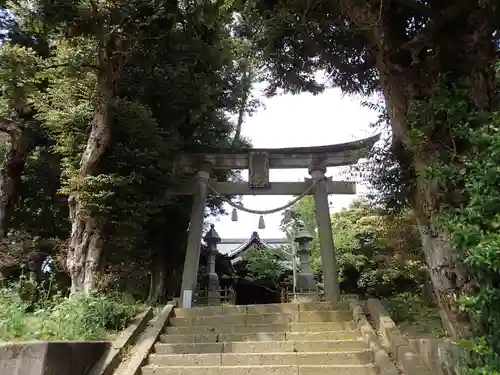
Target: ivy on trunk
403, 50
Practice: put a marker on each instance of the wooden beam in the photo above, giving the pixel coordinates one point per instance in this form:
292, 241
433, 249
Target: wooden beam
276, 188
283, 158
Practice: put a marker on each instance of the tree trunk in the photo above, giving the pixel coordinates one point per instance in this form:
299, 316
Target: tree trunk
158, 278
87, 232
447, 277
10, 174
157, 285
246, 83
468, 55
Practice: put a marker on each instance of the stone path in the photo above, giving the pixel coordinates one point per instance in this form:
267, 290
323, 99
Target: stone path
282, 339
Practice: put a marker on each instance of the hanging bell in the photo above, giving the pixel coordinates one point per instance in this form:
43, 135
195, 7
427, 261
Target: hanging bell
234, 215
262, 225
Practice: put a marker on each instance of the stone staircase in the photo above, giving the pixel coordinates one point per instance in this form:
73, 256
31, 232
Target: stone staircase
281, 339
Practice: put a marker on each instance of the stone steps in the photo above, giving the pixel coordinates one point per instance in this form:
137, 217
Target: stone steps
281, 308
261, 347
360, 357
261, 370
260, 336
263, 318
279, 339
261, 328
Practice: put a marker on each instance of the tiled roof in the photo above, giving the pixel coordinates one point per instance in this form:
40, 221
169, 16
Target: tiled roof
233, 247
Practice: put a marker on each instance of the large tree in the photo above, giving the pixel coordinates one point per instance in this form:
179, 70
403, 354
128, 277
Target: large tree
403, 49
126, 87
18, 126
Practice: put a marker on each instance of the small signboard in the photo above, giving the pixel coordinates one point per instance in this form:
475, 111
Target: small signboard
187, 298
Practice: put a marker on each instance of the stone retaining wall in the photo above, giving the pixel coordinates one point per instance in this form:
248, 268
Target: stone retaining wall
441, 356
400, 349
416, 356
50, 357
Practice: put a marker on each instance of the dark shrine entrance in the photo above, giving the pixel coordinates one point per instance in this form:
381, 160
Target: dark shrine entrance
255, 293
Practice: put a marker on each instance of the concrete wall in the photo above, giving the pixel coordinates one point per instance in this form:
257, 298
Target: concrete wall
400, 349
50, 357
416, 356
441, 356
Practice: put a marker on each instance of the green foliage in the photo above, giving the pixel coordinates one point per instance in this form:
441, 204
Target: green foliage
269, 264
18, 68
300, 34
413, 314
305, 211
43, 211
3, 149
382, 252
377, 254
469, 165
91, 317
176, 80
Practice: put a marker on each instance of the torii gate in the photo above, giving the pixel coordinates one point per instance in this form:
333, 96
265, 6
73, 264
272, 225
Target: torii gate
259, 162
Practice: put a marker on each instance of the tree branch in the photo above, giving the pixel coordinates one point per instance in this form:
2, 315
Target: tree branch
368, 64
10, 127
68, 65
437, 23
419, 8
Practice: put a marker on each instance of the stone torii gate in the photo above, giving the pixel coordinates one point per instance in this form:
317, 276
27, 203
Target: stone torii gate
259, 162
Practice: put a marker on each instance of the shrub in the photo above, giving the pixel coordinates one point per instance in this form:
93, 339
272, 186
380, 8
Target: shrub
414, 313
81, 317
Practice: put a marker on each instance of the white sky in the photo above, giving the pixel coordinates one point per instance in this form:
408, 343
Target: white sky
294, 121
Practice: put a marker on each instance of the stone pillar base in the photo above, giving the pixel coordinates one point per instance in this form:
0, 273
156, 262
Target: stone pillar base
306, 282
307, 289
306, 297
213, 297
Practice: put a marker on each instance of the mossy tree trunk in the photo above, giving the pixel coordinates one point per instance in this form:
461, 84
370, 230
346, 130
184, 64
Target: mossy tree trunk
457, 41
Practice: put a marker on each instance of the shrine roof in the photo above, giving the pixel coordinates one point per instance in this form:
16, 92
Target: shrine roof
232, 248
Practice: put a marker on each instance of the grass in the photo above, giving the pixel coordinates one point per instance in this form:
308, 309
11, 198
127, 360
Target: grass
92, 317
414, 316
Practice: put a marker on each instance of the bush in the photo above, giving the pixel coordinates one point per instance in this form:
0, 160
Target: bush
91, 317
414, 314
270, 264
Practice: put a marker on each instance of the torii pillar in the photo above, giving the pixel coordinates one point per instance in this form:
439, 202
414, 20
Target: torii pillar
193, 248
317, 170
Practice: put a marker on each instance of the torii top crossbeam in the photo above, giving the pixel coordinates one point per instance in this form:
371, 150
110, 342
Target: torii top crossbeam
282, 158
260, 161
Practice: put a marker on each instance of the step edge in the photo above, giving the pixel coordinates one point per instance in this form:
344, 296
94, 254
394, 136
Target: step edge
256, 333
252, 341
343, 305
212, 343
280, 313
260, 366
269, 324
254, 325
194, 335
361, 351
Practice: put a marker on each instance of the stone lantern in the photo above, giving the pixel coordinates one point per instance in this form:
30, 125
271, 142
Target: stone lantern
306, 284
212, 238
